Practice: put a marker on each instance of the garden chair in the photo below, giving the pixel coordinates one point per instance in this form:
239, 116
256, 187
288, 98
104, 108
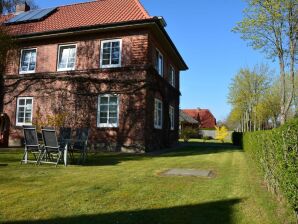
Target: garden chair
80, 144
31, 145
52, 150
64, 136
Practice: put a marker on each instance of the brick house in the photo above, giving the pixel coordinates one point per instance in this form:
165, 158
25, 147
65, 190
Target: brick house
106, 64
205, 118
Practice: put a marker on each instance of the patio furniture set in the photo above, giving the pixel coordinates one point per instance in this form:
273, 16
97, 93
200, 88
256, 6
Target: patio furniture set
51, 148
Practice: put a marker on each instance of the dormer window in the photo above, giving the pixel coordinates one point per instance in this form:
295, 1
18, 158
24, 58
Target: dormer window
159, 62
110, 55
28, 61
67, 57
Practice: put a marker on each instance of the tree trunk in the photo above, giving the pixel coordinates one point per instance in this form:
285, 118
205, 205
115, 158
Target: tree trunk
283, 109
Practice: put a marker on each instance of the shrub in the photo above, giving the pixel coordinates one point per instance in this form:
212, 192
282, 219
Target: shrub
221, 133
187, 133
237, 138
276, 153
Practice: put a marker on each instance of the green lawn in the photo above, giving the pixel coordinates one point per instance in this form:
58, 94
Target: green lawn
117, 188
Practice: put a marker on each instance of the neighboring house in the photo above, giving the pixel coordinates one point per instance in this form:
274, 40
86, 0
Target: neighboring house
203, 116
186, 120
106, 64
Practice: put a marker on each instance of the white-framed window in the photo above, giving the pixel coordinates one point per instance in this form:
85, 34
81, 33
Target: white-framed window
172, 117
158, 114
172, 75
110, 53
108, 111
24, 111
159, 62
67, 57
28, 61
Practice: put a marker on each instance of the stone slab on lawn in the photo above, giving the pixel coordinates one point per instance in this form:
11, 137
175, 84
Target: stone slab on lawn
188, 172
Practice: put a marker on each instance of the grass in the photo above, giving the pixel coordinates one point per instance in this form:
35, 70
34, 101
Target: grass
119, 188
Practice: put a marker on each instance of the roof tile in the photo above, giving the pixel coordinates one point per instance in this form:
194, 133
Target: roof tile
82, 15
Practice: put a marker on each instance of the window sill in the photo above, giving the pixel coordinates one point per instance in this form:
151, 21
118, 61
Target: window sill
107, 126
65, 70
29, 72
110, 66
22, 124
158, 128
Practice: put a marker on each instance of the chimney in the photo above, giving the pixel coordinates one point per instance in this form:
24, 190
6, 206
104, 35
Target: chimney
22, 7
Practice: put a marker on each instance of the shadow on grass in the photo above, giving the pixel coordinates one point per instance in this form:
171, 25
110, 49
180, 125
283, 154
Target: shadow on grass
210, 212
111, 158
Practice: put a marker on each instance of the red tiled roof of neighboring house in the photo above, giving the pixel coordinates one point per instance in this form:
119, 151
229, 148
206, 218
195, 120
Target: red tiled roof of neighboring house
204, 116
86, 14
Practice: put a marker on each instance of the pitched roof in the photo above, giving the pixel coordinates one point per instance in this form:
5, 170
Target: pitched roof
85, 14
204, 116
184, 117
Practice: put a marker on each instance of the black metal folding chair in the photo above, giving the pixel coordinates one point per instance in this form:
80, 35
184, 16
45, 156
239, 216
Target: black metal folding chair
64, 136
52, 150
32, 145
80, 144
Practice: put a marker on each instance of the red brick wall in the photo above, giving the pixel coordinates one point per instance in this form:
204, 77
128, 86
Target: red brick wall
137, 84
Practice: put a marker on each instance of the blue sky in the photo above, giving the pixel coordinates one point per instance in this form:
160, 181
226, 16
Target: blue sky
201, 30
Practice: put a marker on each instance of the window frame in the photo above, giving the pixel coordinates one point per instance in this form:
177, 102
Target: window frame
17, 111
20, 67
172, 117
161, 73
102, 42
58, 58
107, 125
156, 125
172, 75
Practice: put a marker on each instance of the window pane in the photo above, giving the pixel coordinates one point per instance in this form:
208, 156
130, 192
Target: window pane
21, 102
107, 45
113, 120
115, 61
103, 120
27, 120
116, 44
70, 65
113, 108
106, 62
103, 114
104, 100
20, 119
29, 102
106, 57
104, 108
113, 114
113, 100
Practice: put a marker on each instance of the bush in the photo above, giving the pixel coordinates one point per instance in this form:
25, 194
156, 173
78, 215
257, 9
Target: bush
276, 153
237, 138
188, 133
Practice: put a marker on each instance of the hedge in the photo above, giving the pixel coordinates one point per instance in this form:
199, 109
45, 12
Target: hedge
237, 138
276, 153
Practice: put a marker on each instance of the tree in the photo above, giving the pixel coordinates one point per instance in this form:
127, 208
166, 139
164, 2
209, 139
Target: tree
272, 26
246, 91
8, 6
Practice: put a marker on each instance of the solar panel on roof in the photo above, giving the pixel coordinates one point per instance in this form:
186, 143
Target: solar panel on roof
31, 16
